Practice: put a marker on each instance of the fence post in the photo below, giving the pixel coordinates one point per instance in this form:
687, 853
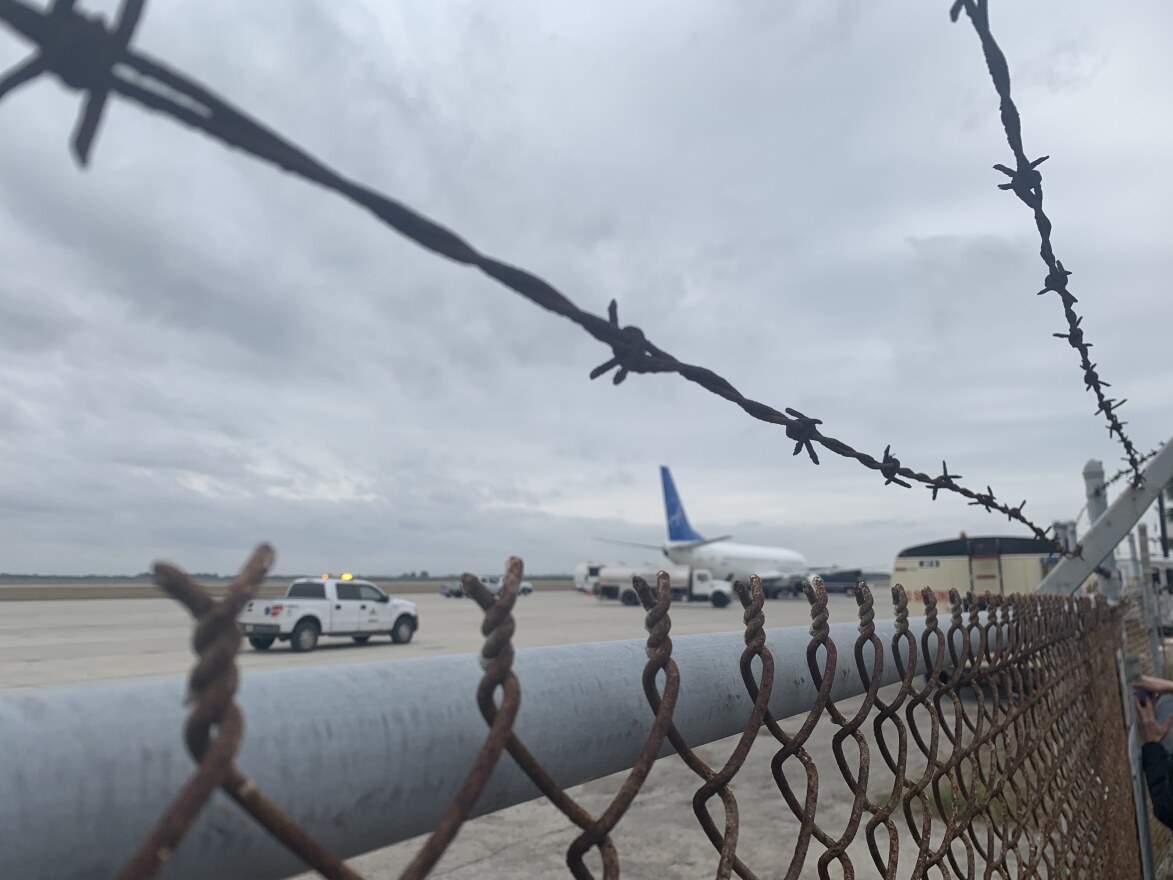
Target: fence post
1097, 506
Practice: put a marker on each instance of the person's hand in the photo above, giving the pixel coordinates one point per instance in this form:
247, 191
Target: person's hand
1154, 684
1149, 729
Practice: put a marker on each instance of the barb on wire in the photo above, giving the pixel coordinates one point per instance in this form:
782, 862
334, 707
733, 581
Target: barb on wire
1026, 182
90, 57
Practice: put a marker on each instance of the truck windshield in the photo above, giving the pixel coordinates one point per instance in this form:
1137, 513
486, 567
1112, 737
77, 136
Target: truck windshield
306, 590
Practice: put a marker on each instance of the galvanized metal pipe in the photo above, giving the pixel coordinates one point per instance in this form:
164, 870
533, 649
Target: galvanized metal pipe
362, 755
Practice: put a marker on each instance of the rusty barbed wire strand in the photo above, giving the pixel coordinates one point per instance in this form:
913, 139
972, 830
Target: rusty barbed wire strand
1026, 182
213, 685
1125, 471
89, 57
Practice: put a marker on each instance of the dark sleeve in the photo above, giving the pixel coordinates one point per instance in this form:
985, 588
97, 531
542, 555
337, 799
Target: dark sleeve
1154, 760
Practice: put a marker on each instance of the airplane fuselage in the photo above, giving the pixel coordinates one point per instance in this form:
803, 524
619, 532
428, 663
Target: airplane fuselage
733, 561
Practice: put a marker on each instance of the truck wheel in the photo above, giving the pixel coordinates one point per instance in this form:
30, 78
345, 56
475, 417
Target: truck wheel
719, 600
261, 643
361, 640
630, 598
403, 630
305, 636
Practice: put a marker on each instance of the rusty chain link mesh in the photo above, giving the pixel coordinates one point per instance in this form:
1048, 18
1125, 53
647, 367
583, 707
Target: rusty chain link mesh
1001, 750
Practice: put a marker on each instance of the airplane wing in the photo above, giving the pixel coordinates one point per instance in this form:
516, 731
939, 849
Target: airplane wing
632, 543
688, 545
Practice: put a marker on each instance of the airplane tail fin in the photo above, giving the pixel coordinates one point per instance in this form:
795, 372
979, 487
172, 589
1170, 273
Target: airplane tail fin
678, 527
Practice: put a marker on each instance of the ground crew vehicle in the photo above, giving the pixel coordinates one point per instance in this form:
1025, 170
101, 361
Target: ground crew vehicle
585, 575
837, 580
492, 582
688, 584
327, 606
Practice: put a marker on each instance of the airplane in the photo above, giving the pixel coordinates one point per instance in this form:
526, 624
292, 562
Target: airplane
778, 567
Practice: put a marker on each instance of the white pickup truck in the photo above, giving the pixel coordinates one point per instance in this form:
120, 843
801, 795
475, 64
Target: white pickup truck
327, 606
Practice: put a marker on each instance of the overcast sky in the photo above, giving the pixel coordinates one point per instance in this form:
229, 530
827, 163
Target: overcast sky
199, 353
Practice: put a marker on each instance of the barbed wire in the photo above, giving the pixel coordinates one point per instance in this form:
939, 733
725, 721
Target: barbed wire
1026, 182
1125, 471
90, 57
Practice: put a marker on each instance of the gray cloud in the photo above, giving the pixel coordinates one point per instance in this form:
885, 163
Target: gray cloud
199, 352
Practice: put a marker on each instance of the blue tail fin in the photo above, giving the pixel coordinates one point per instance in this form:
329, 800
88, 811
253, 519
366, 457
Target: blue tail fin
678, 527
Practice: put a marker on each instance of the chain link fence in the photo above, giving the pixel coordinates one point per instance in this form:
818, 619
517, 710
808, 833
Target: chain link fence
995, 749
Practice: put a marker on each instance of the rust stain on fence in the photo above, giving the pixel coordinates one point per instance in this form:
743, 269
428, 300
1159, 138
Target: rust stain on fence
1002, 737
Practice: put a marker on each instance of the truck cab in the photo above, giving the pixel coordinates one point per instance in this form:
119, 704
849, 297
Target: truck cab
586, 575
327, 606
